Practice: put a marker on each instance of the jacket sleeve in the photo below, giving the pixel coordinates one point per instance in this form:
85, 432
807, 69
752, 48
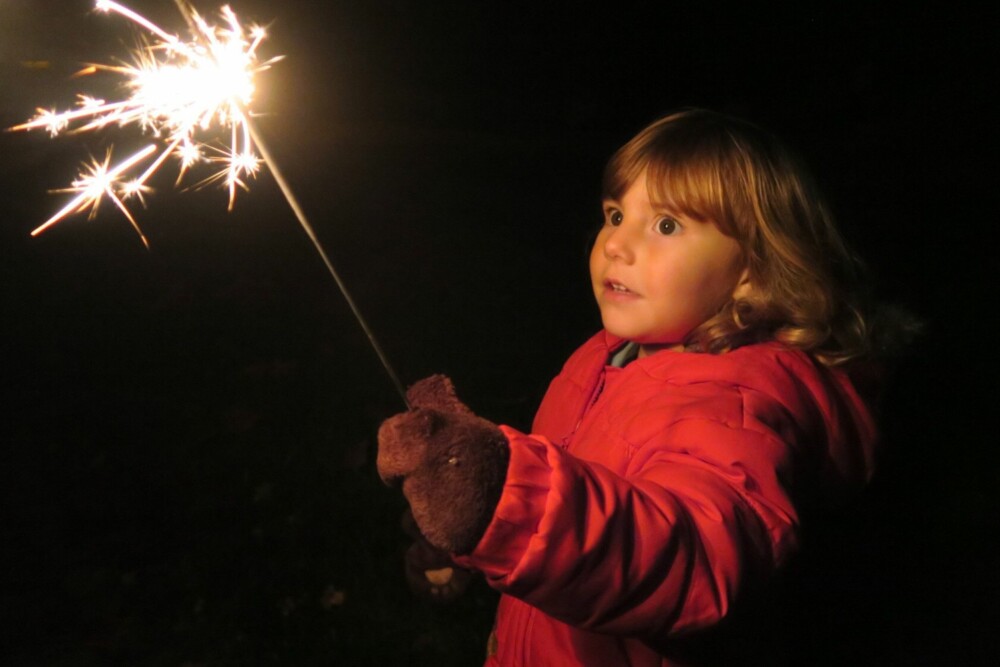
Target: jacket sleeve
700, 513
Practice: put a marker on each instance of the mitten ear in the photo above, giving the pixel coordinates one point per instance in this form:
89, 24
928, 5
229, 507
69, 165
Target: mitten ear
438, 393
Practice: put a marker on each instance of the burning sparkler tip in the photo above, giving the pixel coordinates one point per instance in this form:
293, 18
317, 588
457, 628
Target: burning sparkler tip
179, 89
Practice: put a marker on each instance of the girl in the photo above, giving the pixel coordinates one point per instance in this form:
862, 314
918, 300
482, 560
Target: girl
668, 461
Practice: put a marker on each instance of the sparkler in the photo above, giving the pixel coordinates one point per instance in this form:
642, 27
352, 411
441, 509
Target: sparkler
178, 93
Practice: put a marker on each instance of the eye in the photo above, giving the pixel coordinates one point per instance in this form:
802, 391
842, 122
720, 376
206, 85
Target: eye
615, 217
667, 226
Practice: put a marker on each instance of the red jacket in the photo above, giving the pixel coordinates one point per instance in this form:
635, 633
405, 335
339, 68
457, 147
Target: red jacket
649, 496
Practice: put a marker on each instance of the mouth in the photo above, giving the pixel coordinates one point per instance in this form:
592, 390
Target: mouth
618, 288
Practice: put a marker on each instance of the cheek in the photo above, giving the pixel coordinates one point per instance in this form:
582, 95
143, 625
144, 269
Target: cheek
714, 271
693, 290
596, 259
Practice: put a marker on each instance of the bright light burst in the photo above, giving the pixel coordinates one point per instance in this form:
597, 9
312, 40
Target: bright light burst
177, 91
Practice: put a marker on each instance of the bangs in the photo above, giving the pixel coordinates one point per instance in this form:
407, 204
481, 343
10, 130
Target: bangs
687, 170
690, 187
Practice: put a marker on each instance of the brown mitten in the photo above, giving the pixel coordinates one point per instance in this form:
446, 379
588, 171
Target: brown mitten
430, 572
451, 463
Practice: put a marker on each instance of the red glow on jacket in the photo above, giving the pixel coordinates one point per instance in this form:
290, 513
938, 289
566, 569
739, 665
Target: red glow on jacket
648, 497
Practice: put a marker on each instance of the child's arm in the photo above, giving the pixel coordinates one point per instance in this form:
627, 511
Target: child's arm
663, 548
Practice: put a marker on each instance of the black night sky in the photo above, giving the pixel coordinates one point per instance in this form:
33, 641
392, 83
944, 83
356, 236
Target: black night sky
186, 452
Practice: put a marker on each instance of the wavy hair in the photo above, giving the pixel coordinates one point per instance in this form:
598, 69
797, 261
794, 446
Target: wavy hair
806, 285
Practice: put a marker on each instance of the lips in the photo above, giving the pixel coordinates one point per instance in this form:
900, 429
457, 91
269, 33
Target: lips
618, 289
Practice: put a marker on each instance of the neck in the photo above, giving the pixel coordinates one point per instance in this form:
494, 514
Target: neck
652, 348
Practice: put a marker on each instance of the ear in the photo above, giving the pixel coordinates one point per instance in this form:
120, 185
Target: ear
743, 286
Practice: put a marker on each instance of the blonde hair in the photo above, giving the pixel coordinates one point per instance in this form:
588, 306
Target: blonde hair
805, 283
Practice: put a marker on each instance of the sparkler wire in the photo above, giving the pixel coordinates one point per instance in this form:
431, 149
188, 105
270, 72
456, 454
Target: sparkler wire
293, 203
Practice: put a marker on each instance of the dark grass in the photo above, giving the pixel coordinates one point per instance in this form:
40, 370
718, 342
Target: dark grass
216, 554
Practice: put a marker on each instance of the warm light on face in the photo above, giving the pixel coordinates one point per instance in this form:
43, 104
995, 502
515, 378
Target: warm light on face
657, 274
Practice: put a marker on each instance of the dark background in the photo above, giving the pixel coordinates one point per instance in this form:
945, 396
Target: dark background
186, 450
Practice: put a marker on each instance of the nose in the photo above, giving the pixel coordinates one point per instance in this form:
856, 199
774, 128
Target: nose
619, 244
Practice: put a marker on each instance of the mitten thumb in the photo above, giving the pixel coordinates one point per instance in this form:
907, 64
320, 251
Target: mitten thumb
403, 443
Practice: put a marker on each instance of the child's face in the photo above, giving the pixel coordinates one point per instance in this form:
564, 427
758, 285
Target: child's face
658, 274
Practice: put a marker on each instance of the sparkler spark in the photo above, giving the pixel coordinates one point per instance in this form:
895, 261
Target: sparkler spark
178, 92
98, 180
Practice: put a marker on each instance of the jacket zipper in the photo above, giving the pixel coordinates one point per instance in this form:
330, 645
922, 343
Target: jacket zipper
590, 404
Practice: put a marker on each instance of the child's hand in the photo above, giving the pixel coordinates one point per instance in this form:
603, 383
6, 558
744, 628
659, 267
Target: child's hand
451, 463
430, 572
